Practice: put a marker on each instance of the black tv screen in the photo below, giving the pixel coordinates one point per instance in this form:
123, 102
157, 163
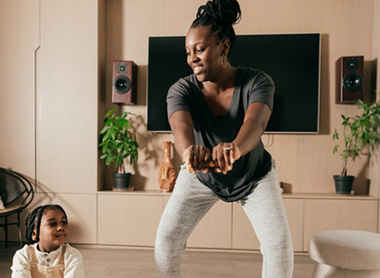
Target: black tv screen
292, 60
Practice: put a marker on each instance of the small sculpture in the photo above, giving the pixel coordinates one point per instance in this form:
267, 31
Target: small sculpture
167, 175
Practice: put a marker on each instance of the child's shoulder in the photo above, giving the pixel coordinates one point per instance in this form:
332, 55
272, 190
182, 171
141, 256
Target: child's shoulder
71, 251
25, 253
26, 249
69, 247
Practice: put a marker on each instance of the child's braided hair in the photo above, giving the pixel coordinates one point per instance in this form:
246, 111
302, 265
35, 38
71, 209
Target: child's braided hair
33, 221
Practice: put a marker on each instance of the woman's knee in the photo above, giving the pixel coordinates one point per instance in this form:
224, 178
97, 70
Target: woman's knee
280, 247
168, 238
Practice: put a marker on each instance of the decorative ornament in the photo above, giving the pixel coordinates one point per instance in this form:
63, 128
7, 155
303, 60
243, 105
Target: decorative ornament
167, 174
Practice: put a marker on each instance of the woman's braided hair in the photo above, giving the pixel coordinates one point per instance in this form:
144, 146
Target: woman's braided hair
33, 221
220, 15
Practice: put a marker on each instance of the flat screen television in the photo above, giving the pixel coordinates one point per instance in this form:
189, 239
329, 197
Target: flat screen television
292, 60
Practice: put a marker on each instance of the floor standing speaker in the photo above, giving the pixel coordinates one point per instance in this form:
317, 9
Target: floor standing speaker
349, 79
124, 82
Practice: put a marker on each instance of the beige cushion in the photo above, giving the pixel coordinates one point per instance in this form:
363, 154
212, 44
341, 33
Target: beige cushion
9, 209
346, 249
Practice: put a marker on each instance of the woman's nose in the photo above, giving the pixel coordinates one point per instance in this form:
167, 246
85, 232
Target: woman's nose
193, 56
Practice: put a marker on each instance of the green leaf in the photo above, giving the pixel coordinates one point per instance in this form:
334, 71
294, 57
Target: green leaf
336, 135
110, 112
118, 139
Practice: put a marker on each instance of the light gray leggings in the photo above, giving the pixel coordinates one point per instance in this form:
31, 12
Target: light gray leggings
191, 200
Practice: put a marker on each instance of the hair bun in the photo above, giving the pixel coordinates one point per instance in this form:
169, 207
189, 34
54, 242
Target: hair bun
219, 15
225, 12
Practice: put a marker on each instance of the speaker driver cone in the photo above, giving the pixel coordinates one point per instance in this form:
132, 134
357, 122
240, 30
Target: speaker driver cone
122, 68
122, 84
352, 81
352, 64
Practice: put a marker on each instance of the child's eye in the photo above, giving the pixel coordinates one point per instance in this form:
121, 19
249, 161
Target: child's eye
53, 224
64, 223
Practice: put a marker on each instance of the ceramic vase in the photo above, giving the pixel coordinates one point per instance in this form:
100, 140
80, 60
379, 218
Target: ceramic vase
167, 175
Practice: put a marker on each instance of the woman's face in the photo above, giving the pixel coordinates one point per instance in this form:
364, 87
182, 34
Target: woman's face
204, 53
54, 229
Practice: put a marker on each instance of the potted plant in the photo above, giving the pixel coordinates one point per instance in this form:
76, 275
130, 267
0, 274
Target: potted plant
118, 143
360, 133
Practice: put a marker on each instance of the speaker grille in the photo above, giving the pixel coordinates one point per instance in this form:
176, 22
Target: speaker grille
122, 84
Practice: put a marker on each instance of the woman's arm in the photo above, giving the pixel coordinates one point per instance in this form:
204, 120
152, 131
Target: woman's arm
255, 121
181, 125
195, 157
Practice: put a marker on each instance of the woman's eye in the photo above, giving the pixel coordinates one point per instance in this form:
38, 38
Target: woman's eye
199, 50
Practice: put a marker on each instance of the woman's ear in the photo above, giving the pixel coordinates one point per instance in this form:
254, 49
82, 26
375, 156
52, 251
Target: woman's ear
226, 47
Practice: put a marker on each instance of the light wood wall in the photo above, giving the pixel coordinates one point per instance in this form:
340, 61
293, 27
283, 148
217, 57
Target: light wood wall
305, 162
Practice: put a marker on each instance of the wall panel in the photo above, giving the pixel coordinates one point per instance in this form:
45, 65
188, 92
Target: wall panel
67, 96
19, 35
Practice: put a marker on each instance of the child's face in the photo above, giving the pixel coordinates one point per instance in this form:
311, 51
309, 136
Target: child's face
53, 230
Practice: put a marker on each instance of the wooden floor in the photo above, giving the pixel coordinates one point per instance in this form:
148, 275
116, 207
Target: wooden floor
117, 262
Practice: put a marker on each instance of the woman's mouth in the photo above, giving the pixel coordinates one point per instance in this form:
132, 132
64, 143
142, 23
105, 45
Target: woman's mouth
197, 70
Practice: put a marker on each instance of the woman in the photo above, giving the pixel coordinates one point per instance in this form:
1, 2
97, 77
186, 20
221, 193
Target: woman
217, 116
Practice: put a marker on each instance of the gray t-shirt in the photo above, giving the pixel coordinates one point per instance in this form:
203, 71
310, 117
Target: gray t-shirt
250, 86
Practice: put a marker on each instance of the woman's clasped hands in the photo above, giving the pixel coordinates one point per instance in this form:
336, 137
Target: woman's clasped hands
221, 158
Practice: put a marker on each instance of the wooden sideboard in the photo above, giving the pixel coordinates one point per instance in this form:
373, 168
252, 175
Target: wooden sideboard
131, 219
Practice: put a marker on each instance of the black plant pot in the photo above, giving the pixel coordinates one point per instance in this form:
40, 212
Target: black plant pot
343, 184
121, 182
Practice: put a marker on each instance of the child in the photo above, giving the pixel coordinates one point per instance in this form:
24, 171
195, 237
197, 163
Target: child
47, 255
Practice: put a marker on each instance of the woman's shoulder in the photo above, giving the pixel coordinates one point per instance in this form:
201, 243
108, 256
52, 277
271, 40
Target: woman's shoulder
186, 80
254, 75
184, 84
252, 72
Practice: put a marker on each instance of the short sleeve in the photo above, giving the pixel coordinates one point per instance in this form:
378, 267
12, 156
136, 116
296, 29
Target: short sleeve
178, 97
262, 89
